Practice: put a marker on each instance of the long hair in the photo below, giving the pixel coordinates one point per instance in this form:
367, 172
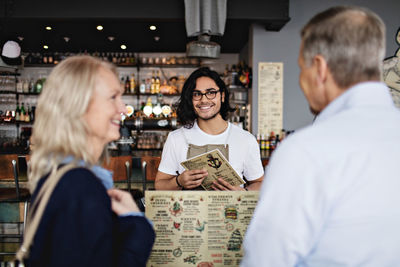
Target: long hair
352, 41
185, 111
59, 129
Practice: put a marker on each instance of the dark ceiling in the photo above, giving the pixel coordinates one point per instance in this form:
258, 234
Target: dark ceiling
78, 22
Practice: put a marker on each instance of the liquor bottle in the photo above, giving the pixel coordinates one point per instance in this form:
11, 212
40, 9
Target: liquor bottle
148, 85
25, 86
19, 85
17, 113
142, 87
127, 84
153, 83
39, 85
263, 142
157, 83
271, 138
22, 113
132, 84
27, 115
32, 114
44, 58
31, 86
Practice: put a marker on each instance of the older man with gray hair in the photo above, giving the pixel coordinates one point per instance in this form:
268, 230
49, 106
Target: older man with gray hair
330, 196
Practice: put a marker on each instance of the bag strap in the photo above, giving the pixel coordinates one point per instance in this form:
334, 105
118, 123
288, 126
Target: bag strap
41, 203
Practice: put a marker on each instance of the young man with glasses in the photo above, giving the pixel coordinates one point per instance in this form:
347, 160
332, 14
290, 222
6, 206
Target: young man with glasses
203, 111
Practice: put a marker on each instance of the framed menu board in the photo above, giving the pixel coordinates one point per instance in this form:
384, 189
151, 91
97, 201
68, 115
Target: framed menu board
199, 228
270, 97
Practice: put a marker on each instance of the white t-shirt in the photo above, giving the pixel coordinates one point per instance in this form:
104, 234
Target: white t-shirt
244, 153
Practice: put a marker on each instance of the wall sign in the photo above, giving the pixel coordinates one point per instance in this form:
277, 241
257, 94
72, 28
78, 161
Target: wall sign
270, 97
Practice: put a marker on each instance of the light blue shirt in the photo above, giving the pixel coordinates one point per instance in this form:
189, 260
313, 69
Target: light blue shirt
331, 193
106, 178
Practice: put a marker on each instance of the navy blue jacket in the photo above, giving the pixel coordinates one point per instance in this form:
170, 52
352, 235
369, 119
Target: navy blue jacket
78, 228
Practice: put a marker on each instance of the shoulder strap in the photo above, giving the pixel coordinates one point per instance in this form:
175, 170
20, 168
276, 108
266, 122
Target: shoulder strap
41, 203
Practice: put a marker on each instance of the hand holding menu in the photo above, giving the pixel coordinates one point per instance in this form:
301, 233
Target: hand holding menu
217, 167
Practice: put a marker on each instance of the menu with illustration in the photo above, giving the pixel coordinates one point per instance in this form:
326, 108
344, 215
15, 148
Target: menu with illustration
217, 167
199, 228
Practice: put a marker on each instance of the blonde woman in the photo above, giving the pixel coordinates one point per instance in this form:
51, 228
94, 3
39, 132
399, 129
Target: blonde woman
78, 113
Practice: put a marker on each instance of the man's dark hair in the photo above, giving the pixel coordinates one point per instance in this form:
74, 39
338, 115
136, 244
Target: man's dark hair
185, 111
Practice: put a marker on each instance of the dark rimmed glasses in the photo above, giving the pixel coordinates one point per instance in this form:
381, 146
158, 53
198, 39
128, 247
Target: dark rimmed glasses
197, 95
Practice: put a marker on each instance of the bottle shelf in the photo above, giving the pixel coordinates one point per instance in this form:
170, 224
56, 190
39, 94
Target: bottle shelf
5, 92
150, 94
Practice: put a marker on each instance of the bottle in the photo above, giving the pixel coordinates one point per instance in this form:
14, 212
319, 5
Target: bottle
259, 140
157, 83
32, 114
272, 144
277, 140
31, 86
132, 84
153, 83
39, 85
142, 87
19, 85
148, 86
25, 86
263, 142
27, 115
17, 113
127, 84
283, 134
22, 112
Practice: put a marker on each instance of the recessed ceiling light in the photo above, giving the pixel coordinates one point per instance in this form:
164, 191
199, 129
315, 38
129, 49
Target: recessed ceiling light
66, 39
45, 47
123, 47
48, 28
21, 38
153, 28
111, 38
99, 27
156, 38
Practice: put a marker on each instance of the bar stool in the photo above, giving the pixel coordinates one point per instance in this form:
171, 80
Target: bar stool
121, 168
149, 169
14, 194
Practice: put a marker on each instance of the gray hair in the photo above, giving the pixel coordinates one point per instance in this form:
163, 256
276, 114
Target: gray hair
59, 129
352, 41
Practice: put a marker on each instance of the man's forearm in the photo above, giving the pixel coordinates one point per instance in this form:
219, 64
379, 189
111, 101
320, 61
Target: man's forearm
167, 184
255, 186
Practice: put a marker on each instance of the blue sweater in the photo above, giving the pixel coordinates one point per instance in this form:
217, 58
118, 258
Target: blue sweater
78, 228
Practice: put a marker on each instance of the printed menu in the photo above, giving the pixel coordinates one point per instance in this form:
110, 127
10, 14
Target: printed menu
199, 228
270, 97
217, 167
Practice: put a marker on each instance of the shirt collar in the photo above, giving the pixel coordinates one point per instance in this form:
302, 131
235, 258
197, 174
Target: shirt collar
104, 175
362, 94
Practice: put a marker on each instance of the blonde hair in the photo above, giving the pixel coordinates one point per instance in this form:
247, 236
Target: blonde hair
59, 129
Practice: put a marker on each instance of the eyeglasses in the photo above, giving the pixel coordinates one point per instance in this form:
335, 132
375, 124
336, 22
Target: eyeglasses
209, 94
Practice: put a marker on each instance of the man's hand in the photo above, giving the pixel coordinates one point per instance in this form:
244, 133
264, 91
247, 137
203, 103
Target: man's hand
221, 185
192, 179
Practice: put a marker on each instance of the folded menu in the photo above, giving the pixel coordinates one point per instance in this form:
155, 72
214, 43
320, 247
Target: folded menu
217, 167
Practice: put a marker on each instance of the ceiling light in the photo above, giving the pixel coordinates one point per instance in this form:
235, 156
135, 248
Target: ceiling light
123, 47
45, 47
111, 38
156, 38
48, 28
153, 28
66, 39
99, 28
20, 38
